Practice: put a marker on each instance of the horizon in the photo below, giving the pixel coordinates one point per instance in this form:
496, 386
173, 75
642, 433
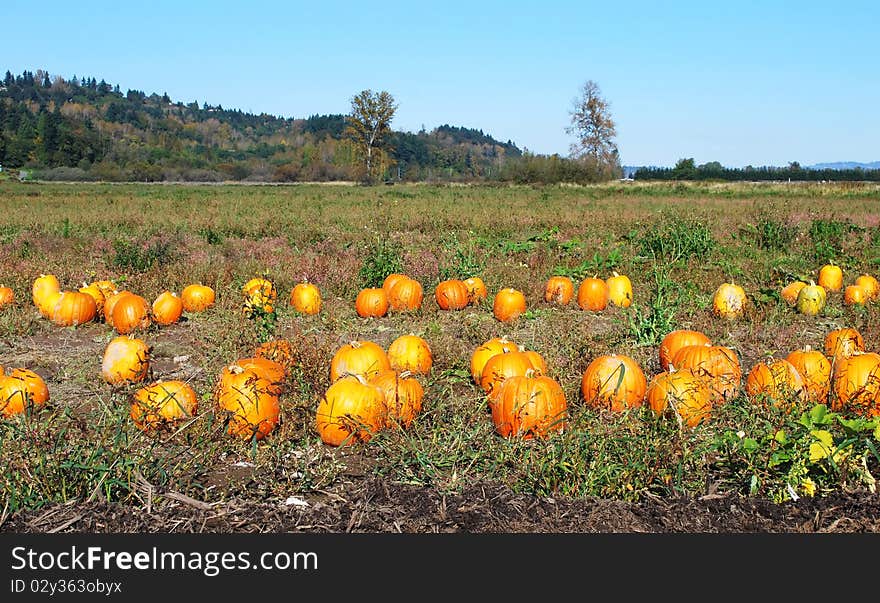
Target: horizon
794, 91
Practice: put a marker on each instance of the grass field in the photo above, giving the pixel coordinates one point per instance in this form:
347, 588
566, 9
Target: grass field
676, 242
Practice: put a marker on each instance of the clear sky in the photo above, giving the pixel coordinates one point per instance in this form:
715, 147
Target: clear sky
750, 82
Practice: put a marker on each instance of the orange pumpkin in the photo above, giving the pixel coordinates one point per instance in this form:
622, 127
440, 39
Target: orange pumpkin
451, 295
843, 342
197, 298
831, 277
167, 308
163, 403
613, 382
7, 296
855, 386
271, 371
620, 292
95, 292
410, 353
74, 308
21, 391
729, 301
593, 294
776, 381
391, 280
350, 411
719, 365
509, 304
251, 408
503, 366
682, 392
363, 357
130, 313
405, 295
126, 360
559, 290
371, 302
537, 361
278, 350
529, 406
790, 292
855, 295
870, 285
481, 355
815, 369
45, 291
262, 287
107, 287
476, 289
403, 396
306, 299
675, 340
110, 303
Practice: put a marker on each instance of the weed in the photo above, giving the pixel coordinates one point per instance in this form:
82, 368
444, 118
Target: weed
383, 258
135, 257
675, 239
463, 262
648, 327
597, 264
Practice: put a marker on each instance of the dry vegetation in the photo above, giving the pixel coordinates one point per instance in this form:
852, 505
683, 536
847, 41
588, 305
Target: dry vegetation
676, 242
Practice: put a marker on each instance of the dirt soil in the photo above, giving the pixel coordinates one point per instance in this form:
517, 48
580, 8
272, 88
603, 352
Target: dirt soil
373, 506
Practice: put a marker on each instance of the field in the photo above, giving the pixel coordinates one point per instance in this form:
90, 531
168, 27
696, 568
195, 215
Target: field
80, 464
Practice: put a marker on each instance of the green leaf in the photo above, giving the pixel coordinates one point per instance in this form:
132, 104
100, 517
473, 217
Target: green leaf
750, 444
818, 414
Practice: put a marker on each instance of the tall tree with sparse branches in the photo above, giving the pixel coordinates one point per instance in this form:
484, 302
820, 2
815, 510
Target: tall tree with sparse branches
369, 126
594, 129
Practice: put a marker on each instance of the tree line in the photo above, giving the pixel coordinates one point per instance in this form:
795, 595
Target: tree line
686, 169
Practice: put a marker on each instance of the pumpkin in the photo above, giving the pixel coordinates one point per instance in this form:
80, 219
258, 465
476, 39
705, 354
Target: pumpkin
451, 294
167, 308
130, 313
529, 406
405, 295
110, 303
843, 342
95, 292
855, 295
503, 366
593, 294
681, 392
271, 371
20, 395
855, 386
830, 277
481, 355
197, 298
620, 292
790, 292
815, 369
278, 350
162, 403
262, 287
775, 380
719, 365
675, 340
476, 288
870, 285
34, 385
371, 303
251, 408
613, 382
107, 287
126, 360
537, 361
74, 308
363, 357
351, 410
306, 298
7, 296
402, 394
729, 301
811, 299
559, 290
410, 353
509, 304
391, 280
45, 292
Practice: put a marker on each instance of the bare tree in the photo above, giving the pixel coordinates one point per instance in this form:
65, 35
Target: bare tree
369, 125
592, 125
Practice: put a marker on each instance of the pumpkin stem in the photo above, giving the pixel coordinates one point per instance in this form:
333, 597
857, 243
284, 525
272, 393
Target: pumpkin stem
404, 374
530, 373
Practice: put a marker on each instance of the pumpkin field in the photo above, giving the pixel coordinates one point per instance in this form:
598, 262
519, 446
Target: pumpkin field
419, 358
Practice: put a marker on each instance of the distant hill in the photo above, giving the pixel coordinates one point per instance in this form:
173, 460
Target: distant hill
844, 165
81, 128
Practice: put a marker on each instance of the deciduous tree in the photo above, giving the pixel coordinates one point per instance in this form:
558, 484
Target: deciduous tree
594, 129
369, 127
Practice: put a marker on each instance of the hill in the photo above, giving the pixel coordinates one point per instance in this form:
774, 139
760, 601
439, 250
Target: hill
88, 129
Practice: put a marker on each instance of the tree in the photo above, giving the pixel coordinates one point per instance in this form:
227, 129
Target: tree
369, 127
595, 130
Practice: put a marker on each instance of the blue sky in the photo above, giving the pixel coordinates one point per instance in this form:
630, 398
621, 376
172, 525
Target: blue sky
760, 83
